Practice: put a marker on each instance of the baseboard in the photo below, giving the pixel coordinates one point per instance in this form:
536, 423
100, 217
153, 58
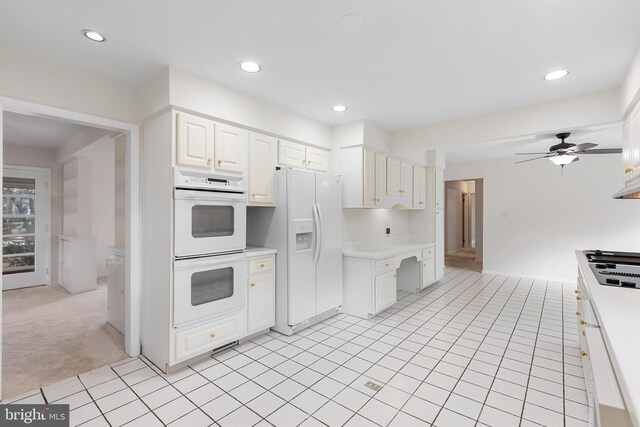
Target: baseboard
527, 276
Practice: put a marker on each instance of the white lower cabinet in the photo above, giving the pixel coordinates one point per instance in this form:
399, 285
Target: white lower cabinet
77, 263
384, 290
196, 341
261, 291
428, 271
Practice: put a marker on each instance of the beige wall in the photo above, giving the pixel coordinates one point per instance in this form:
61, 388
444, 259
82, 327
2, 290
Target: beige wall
42, 158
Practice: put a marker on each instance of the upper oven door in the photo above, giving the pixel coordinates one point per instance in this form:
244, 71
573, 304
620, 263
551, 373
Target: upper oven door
209, 222
208, 287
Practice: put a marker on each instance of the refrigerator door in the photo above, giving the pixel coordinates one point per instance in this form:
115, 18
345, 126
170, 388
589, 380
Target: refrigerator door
302, 229
329, 266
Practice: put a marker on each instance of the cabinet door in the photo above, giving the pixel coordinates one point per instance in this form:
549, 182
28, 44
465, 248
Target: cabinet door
291, 154
385, 290
261, 169
229, 148
369, 178
261, 309
406, 179
194, 141
428, 271
67, 262
627, 151
394, 177
419, 187
317, 159
381, 179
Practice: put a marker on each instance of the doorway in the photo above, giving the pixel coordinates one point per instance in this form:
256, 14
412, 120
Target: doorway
56, 299
26, 201
464, 224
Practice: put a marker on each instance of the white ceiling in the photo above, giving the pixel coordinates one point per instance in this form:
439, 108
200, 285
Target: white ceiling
605, 137
409, 63
38, 132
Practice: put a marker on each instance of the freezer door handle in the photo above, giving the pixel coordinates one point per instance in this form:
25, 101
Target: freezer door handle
320, 232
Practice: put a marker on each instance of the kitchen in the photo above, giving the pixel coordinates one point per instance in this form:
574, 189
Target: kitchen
292, 272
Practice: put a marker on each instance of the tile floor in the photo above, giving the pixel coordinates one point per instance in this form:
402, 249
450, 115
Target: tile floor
471, 350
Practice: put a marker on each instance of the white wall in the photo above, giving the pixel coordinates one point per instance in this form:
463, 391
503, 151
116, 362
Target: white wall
40, 157
534, 218
370, 224
548, 117
103, 210
479, 219
39, 80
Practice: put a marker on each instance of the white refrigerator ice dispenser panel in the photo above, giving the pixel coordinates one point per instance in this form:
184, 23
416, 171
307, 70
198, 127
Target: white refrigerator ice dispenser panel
302, 232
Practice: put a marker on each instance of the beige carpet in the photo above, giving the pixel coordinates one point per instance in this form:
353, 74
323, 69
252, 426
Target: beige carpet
49, 335
464, 259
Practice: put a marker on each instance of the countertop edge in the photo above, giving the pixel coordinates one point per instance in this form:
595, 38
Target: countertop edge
373, 254
627, 391
254, 251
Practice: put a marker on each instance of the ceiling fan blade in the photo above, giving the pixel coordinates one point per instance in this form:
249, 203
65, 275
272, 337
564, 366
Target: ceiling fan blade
535, 158
529, 154
581, 147
601, 151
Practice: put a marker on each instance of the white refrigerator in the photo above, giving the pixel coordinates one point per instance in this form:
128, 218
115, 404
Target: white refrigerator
306, 229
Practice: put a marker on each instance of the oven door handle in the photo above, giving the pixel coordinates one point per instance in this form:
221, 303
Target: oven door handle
318, 229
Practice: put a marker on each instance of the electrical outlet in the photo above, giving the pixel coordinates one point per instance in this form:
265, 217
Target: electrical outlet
388, 231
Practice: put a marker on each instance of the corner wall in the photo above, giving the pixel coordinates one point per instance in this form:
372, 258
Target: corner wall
535, 218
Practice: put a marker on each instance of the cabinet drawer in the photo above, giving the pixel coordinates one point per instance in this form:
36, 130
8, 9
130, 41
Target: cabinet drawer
385, 264
201, 339
260, 265
428, 253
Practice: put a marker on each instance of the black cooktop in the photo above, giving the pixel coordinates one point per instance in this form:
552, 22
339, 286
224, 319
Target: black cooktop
608, 257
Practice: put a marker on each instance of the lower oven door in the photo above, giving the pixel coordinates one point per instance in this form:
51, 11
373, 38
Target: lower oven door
207, 222
208, 287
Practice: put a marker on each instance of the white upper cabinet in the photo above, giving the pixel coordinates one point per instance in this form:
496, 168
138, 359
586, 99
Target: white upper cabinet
317, 159
439, 188
229, 148
394, 177
406, 179
631, 145
291, 154
419, 187
380, 186
300, 156
261, 169
195, 141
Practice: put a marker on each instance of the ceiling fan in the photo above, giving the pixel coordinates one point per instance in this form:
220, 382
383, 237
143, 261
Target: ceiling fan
565, 152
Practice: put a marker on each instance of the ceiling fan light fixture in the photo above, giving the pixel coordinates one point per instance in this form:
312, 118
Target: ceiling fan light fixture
563, 159
555, 75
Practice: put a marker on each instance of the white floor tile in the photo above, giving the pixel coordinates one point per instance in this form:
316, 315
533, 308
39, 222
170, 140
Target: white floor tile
333, 414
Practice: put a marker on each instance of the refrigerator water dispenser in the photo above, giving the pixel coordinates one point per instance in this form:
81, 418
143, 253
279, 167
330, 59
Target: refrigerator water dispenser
303, 234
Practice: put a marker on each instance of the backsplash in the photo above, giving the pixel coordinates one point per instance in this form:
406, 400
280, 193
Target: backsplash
368, 224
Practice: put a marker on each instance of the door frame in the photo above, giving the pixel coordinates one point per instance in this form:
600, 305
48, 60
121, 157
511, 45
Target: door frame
133, 282
47, 215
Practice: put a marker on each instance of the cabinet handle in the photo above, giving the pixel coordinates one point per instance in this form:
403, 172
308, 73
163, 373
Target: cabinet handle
308, 162
209, 160
253, 195
252, 284
578, 299
584, 354
576, 291
628, 170
578, 313
213, 335
304, 161
219, 162
395, 275
582, 322
374, 199
422, 203
262, 265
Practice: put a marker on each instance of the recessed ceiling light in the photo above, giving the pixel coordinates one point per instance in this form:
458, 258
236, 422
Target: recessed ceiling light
339, 108
94, 35
250, 67
555, 75
351, 21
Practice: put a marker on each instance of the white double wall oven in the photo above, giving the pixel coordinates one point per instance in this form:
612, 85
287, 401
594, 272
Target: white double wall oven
210, 268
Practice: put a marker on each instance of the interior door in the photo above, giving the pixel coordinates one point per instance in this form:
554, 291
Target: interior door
329, 268
301, 294
25, 227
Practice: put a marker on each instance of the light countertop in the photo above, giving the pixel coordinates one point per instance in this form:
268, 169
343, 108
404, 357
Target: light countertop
618, 313
384, 249
255, 251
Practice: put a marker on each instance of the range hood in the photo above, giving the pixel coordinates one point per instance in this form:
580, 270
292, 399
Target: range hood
629, 191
